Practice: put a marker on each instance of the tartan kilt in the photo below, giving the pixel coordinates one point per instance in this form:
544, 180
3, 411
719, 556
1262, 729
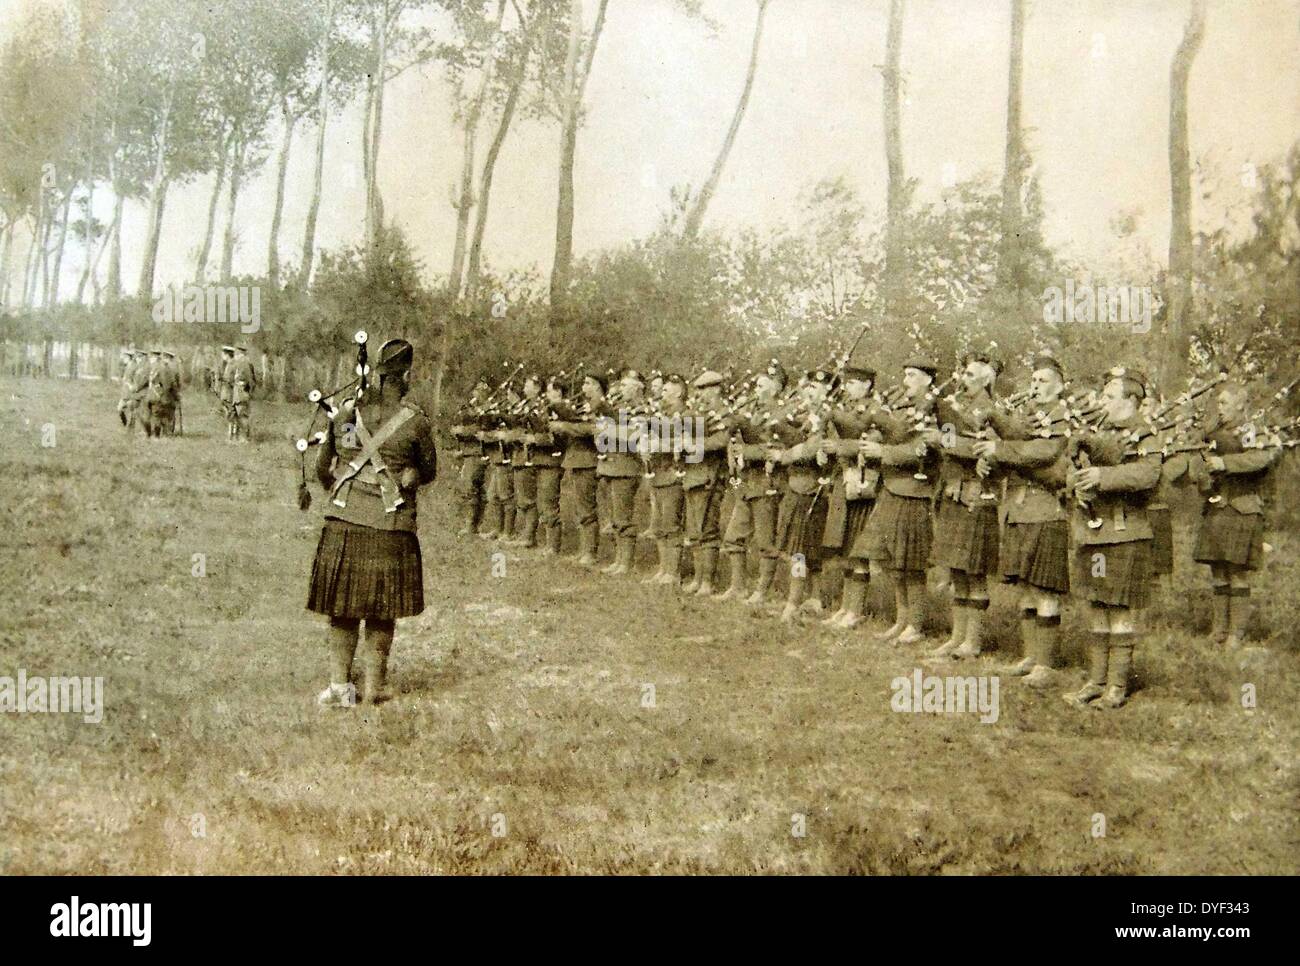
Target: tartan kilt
1162, 540
1037, 554
800, 522
897, 536
970, 538
1127, 582
1226, 536
855, 523
360, 572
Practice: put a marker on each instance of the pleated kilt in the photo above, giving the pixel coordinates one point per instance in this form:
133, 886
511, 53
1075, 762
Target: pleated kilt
855, 526
800, 523
969, 538
1127, 574
1226, 536
1162, 542
897, 536
360, 572
1037, 554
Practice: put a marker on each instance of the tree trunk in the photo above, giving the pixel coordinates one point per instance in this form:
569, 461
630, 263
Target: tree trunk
1179, 295
52, 294
375, 211
485, 182
93, 274
896, 192
1011, 263
6, 249
322, 117
695, 217
90, 245
201, 266
32, 262
157, 190
114, 282
43, 257
232, 200
575, 82
273, 246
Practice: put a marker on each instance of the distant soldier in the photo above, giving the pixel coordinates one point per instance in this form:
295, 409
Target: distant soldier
162, 393
801, 518
704, 480
222, 388
471, 463
1113, 539
174, 364
618, 463
125, 400
1230, 538
667, 469
377, 454
752, 454
242, 379
576, 426
548, 456
499, 509
524, 459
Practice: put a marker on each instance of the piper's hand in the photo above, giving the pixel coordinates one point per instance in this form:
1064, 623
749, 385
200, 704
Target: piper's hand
409, 479
1086, 479
982, 468
985, 449
869, 449
1215, 463
931, 436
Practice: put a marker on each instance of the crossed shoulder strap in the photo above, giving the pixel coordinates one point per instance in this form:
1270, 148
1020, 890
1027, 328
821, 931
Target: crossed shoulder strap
370, 444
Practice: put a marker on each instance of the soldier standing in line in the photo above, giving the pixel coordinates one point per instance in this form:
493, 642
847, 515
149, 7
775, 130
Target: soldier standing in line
853, 492
1035, 548
1230, 539
242, 378
667, 471
654, 398
126, 401
163, 390
177, 424
618, 463
801, 517
579, 463
222, 388
470, 458
898, 534
752, 454
1113, 539
523, 462
548, 457
367, 565
702, 482
499, 514
968, 505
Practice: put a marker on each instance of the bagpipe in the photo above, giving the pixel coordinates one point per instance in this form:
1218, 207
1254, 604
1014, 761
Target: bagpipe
322, 404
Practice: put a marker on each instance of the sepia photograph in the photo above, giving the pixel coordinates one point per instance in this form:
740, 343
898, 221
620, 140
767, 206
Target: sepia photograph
651, 438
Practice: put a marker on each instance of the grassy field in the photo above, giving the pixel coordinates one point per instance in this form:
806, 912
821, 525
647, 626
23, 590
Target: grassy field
519, 739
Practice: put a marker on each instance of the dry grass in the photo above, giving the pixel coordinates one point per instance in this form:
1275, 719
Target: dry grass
521, 697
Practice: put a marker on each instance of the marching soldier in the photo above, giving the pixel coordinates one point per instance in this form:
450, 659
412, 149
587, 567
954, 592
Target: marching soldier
367, 567
579, 463
702, 482
667, 471
1113, 539
1230, 538
968, 505
898, 534
1035, 549
853, 492
470, 458
618, 463
752, 522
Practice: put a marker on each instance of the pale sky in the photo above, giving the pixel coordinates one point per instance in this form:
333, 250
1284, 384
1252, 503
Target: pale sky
662, 91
